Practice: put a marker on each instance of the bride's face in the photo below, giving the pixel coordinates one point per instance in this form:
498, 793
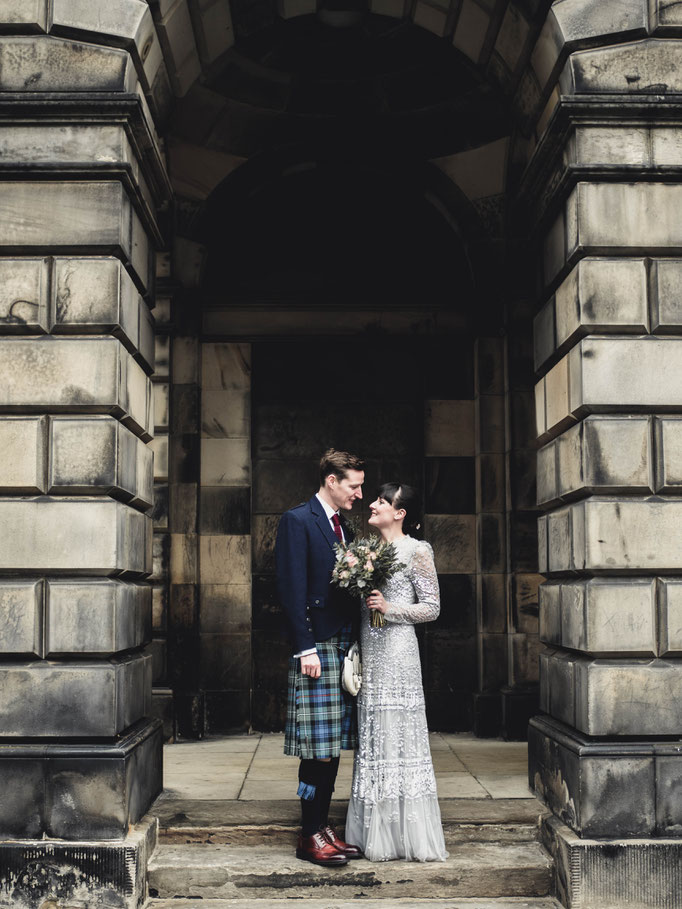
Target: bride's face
383, 515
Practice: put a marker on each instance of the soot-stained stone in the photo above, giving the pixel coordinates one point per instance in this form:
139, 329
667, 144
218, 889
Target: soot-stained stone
185, 408
228, 711
492, 661
491, 473
269, 712
160, 509
449, 711
263, 537
270, 661
184, 458
487, 714
183, 508
524, 602
183, 660
225, 509
449, 370
450, 661
493, 602
523, 480
183, 613
225, 661
267, 612
280, 485
457, 603
522, 409
225, 608
450, 486
491, 542
524, 541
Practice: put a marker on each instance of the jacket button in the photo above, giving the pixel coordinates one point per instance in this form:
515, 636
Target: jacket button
317, 601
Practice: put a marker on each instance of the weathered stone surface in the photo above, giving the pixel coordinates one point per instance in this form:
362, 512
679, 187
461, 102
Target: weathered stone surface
219, 872
90, 375
636, 67
615, 697
94, 215
24, 295
609, 534
176, 35
21, 618
31, 14
472, 27
22, 454
614, 216
225, 559
37, 63
225, 462
76, 536
597, 788
87, 872
609, 374
226, 366
98, 454
92, 699
608, 615
95, 617
602, 454
606, 872
214, 31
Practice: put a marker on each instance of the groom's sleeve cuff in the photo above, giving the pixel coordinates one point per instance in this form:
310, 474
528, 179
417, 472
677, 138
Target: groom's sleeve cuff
305, 652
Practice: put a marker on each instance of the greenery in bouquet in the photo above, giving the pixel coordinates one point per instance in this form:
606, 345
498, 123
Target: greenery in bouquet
364, 565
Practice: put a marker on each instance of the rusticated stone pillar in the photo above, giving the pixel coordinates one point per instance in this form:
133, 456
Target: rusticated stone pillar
606, 755
80, 757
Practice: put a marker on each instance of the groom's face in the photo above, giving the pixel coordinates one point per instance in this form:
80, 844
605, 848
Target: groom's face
346, 491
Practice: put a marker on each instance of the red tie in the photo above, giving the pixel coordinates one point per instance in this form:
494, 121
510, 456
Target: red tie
337, 527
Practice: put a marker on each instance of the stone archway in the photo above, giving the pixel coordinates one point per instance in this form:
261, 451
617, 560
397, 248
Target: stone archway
594, 168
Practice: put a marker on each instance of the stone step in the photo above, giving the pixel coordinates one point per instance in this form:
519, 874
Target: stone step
283, 903
483, 870
252, 823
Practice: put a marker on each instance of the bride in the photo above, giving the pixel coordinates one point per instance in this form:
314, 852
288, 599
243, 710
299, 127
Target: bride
393, 811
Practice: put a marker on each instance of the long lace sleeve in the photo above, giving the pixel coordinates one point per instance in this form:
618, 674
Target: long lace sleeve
424, 580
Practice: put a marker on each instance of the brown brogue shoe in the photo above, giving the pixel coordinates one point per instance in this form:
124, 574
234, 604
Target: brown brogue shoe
347, 849
318, 850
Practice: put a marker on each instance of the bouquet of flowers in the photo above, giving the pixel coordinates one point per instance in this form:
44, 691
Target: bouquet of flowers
362, 566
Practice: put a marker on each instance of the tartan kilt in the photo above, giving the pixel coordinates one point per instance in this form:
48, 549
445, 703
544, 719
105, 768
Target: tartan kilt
321, 716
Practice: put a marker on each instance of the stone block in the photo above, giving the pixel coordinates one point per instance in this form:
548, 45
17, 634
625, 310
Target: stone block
549, 612
492, 661
580, 19
491, 485
491, 543
159, 446
225, 413
24, 296
95, 215
41, 63
490, 423
611, 146
225, 462
669, 611
183, 558
524, 602
601, 295
226, 366
98, 296
512, 37
161, 356
453, 538
225, 510
280, 485
97, 454
471, 29
225, 661
599, 789
609, 534
22, 455
66, 791
95, 617
89, 699
263, 536
21, 617
175, 32
225, 559
90, 375
491, 602
544, 334
605, 217
225, 608
635, 67
609, 374
606, 615
31, 15
161, 393
601, 454
104, 537
214, 31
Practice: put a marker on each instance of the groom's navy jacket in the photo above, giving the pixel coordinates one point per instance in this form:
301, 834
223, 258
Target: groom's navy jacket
304, 558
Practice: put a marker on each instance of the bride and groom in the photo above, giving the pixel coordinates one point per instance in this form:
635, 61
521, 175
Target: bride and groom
393, 811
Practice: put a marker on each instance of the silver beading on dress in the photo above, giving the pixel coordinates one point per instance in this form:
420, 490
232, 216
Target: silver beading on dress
393, 811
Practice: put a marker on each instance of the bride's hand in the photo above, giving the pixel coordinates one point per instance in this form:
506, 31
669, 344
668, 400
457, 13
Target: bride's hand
376, 601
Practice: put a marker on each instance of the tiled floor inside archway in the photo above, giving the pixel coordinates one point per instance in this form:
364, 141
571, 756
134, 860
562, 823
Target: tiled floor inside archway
253, 767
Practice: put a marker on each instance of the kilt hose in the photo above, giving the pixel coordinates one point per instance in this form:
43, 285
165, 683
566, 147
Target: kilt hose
321, 716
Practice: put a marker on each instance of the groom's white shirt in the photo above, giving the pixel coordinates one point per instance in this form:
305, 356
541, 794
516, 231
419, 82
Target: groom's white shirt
330, 512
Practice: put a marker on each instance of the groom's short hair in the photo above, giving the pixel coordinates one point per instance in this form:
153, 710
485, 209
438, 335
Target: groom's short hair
338, 463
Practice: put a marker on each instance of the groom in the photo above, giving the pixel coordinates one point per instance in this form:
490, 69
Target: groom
320, 716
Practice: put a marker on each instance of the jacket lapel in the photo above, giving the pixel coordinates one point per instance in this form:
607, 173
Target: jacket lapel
323, 522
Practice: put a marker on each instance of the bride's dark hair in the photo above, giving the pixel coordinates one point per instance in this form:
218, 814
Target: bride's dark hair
399, 495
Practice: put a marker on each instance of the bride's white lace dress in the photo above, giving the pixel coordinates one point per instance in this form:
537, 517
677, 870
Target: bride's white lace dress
393, 811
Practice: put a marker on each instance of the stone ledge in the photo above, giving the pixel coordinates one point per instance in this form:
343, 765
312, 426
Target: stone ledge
81, 791
612, 873
86, 873
83, 699
599, 788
